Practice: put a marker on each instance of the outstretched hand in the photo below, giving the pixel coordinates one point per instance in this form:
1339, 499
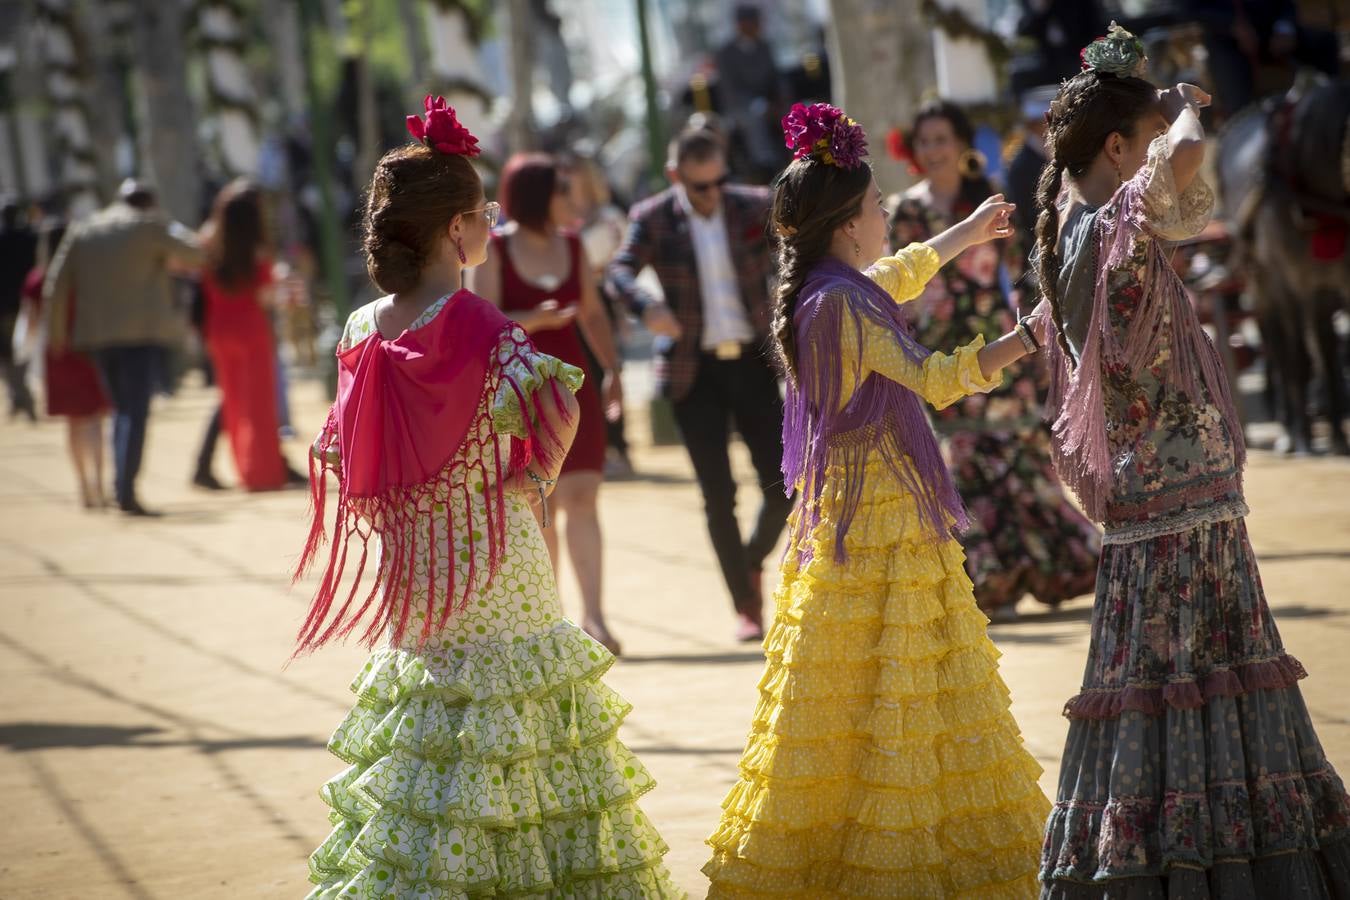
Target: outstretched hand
991, 220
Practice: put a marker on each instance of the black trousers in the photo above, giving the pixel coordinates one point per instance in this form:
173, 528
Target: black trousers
744, 392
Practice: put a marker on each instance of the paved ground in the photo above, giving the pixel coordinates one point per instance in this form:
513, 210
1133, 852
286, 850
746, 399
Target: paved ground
153, 743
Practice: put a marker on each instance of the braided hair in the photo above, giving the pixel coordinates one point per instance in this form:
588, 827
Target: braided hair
1089, 108
812, 199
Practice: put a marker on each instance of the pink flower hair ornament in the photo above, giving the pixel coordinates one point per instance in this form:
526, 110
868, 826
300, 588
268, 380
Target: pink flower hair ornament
822, 132
441, 130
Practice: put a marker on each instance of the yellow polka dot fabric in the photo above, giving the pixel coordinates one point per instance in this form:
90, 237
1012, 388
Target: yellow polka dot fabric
883, 760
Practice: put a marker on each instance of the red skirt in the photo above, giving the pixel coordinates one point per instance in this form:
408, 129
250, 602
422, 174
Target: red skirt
74, 386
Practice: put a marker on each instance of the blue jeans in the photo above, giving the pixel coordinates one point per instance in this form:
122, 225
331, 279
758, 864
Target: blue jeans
131, 374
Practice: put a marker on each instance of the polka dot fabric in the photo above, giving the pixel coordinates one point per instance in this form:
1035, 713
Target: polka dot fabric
883, 760
487, 763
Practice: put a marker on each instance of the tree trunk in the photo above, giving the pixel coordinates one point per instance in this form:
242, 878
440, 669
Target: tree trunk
415, 41
520, 125
67, 70
229, 83
881, 59
166, 116
454, 28
368, 123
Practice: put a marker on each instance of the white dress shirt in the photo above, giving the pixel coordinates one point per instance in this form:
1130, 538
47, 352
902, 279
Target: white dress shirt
724, 316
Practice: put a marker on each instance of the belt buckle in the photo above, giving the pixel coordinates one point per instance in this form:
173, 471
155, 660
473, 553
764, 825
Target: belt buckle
728, 350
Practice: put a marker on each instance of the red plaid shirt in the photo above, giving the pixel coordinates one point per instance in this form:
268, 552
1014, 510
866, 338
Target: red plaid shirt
658, 236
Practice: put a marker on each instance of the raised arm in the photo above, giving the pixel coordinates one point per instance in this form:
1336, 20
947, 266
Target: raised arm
1181, 107
904, 274
940, 378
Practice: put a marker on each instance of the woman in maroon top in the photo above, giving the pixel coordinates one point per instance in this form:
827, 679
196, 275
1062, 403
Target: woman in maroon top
537, 273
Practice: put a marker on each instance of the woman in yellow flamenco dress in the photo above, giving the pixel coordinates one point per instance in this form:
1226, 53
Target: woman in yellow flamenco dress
882, 760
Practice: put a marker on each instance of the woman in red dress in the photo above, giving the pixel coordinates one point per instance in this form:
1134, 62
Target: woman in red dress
236, 285
74, 389
537, 274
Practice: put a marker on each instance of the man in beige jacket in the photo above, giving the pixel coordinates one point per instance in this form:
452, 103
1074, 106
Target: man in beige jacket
115, 267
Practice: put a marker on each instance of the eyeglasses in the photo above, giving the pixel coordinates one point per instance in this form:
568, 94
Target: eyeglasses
492, 212
702, 187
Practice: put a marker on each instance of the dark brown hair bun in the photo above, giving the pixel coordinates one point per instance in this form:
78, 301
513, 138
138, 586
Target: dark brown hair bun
414, 195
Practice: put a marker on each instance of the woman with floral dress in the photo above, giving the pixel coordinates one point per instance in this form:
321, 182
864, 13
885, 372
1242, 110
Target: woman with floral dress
1191, 769
1025, 535
483, 753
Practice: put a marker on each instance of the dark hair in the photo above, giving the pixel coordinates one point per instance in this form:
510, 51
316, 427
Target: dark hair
236, 233
1089, 108
528, 183
975, 185
811, 201
695, 145
413, 195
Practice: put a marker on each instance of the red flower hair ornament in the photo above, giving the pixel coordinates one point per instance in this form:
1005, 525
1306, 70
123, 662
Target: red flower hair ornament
440, 129
897, 145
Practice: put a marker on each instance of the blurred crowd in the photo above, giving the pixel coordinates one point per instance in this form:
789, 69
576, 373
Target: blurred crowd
109, 311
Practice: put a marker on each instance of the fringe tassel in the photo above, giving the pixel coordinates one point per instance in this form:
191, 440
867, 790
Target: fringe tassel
405, 519
1076, 406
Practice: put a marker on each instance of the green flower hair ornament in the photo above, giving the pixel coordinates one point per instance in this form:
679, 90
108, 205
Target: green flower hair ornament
1119, 53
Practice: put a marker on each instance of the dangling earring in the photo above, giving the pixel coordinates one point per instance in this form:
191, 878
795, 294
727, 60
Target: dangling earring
857, 250
459, 248
970, 163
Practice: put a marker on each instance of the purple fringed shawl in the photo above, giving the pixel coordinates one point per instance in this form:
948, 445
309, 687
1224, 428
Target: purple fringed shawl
881, 417
1076, 406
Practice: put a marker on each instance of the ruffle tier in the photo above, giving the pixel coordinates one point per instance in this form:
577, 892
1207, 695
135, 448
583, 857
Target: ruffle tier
488, 770
1192, 769
883, 760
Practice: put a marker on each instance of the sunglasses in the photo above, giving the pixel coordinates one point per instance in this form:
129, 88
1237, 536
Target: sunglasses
702, 187
492, 212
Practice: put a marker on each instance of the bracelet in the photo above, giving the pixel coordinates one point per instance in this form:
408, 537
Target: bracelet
543, 484
1028, 339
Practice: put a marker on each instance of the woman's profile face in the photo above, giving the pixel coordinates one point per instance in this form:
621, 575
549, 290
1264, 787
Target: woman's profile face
474, 232
869, 227
1133, 150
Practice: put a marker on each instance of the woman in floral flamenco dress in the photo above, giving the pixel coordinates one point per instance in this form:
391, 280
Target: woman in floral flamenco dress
1025, 537
882, 760
482, 748
1191, 769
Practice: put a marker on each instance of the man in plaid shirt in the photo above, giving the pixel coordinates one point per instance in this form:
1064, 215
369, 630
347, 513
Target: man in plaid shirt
707, 241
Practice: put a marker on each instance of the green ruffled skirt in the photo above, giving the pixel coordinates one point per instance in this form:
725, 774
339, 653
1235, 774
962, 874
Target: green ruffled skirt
489, 765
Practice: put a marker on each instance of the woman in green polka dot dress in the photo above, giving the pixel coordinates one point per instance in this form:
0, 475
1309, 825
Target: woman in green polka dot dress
482, 749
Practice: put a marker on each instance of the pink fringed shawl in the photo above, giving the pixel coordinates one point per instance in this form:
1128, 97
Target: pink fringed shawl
397, 440
1076, 406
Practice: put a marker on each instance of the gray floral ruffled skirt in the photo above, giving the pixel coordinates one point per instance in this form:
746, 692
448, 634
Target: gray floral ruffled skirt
1192, 770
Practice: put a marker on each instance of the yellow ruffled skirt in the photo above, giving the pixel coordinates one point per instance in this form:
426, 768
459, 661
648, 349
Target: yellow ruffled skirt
883, 760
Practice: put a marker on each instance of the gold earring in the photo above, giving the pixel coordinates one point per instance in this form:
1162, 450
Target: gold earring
857, 249
970, 163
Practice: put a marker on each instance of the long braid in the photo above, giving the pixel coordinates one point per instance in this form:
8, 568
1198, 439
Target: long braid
792, 269
1047, 245
811, 200
1089, 107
